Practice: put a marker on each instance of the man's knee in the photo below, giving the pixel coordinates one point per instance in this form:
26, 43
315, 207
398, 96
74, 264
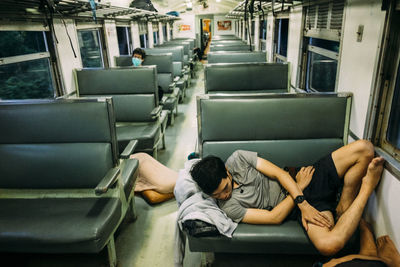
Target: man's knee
329, 246
365, 148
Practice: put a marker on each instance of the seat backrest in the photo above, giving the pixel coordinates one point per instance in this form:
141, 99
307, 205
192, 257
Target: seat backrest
246, 77
134, 90
165, 69
56, 144
215, 48
177, 41
177, 65
162, 61
227, 42
185, 44
288, 129
123, 61
225, 37
177, 52
236, 57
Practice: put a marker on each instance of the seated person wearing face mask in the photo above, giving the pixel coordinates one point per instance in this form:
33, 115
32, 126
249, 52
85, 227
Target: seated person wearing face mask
138, 56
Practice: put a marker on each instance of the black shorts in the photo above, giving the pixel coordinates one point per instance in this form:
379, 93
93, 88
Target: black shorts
323, 192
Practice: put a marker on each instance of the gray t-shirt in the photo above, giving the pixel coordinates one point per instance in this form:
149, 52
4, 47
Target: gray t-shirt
255, 189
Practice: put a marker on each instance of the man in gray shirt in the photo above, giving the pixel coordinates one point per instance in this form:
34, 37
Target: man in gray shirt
253, 190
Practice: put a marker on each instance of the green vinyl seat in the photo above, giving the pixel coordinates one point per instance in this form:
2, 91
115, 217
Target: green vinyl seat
238, 78
286, 129
64, 188
135, 97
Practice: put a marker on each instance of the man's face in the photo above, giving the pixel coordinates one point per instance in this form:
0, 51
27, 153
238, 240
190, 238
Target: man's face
224, 190
139, 56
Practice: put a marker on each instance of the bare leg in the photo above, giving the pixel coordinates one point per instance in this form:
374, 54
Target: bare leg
387, 251
368, 248
351, 163
329, 242
154, 175
153, 197
367, 240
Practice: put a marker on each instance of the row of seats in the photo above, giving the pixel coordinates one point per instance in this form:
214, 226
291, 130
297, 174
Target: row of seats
65, 186
66, 177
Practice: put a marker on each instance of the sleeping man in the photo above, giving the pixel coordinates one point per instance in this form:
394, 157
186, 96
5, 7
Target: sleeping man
253, 190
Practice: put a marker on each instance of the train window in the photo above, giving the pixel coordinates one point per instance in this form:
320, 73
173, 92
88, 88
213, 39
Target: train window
281, 38
393, 131
91, 49
144, 42
388, 125
321, 42
252, 30
155, 37
322, 63
124, 40
165, 32
263, 34
25, 70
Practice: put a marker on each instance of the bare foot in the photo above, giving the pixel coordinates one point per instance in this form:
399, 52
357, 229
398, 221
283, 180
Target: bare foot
387, 251
374, 172
367, 239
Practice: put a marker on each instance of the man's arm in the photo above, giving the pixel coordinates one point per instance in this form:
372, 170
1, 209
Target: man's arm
309, 213
278, 214
275, 216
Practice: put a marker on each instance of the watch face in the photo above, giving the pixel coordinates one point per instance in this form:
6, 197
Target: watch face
299, 199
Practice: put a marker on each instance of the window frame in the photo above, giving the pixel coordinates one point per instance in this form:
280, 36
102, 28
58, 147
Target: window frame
378, 123
323, 52
129, 40
101, 44
53, 64
277, 34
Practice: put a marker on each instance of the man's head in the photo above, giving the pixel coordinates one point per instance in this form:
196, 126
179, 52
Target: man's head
212, 177
138, 56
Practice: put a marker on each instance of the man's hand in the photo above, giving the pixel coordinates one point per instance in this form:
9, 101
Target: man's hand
303, 177
310, 215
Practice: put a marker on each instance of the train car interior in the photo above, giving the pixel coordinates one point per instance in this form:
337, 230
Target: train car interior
199, 133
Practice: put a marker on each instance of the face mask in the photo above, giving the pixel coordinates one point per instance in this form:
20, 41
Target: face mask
136, 61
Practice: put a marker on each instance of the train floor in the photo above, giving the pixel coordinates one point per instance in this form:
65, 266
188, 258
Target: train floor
149, 241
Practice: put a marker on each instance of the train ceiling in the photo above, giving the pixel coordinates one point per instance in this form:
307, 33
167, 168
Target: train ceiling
81, 9
233, 7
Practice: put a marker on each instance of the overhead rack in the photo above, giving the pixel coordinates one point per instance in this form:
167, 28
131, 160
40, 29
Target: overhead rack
266, 6
32, 9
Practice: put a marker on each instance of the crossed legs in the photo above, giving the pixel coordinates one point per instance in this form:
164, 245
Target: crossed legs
360, 173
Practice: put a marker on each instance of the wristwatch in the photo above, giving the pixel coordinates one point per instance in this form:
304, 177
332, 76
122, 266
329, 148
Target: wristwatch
299, 199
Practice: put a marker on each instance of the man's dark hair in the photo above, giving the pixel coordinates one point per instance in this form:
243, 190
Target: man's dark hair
208, 173
139, 51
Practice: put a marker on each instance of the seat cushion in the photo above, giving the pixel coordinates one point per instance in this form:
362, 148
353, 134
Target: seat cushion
57, 225
286, 238
147, 134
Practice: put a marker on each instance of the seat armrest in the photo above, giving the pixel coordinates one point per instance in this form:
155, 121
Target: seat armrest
162, 101
176, 92
172, 86
107, 181
129, 149
155, 112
